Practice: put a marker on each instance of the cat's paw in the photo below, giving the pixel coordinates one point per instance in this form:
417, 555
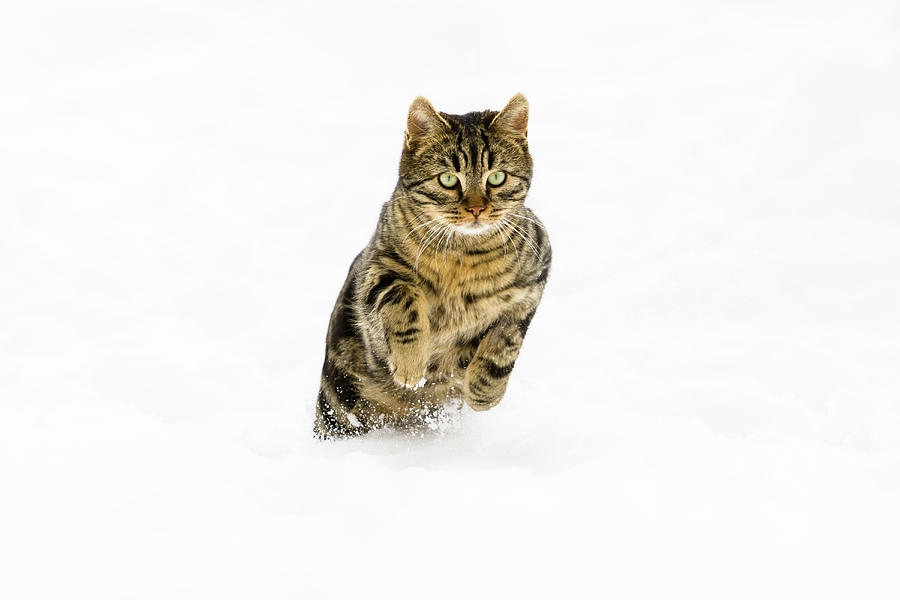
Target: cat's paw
408, 372
480, 404
482, 393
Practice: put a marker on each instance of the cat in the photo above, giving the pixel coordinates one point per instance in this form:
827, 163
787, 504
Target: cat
437, 304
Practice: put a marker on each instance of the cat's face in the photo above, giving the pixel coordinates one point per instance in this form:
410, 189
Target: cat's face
467, 171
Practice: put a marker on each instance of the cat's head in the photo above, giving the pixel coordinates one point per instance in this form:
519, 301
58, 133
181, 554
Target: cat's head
467, 171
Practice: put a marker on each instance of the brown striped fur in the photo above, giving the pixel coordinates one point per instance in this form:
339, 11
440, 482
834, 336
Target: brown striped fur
438, 303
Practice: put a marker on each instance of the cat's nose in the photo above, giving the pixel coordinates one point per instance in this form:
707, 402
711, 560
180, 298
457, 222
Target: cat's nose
475, 204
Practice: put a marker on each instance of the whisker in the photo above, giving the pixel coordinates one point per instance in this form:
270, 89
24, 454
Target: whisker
447, 243
526, 238
446, 231
535, 221
505, 223
432, 234
417, 227
503, 237
436, 246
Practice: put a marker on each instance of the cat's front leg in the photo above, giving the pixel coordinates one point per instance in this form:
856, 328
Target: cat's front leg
488, 373
403, 313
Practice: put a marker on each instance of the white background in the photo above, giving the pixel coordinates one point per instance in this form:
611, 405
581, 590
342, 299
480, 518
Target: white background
707, 404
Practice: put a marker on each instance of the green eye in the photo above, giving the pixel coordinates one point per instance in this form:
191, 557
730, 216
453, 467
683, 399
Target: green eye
448, 180
497, 178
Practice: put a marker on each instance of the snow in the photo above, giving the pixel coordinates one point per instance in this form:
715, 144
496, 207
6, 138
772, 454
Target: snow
707, 404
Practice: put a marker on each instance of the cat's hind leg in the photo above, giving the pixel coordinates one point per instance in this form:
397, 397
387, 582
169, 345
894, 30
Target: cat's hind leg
338, 395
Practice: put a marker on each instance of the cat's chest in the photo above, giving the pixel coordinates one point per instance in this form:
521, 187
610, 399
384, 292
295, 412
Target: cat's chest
465, 300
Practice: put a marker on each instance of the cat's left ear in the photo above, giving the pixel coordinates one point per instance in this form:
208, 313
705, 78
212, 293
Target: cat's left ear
514, 117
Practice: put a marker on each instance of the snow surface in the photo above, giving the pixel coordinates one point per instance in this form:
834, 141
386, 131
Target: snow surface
707, 404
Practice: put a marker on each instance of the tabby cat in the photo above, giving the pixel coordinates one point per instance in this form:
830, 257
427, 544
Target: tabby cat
436, 306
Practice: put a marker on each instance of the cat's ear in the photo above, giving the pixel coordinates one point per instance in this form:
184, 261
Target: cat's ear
514, 117
423, 121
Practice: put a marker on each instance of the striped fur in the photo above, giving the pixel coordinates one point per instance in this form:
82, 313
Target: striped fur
438, 303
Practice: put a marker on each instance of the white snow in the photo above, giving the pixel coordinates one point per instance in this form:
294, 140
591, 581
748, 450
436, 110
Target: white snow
707, 404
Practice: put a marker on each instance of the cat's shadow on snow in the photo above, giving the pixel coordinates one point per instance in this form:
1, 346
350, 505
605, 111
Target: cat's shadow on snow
468, 439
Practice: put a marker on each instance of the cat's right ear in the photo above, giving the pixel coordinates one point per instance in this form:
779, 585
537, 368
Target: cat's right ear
423, 121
